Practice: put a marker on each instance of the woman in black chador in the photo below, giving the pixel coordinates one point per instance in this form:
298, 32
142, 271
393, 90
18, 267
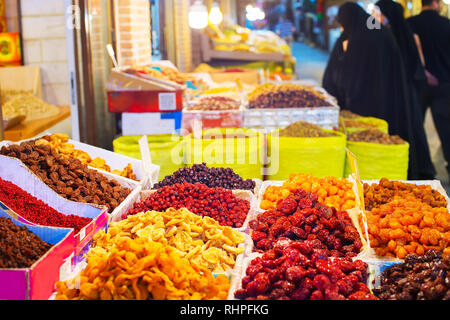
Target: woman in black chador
367, 76
392, 17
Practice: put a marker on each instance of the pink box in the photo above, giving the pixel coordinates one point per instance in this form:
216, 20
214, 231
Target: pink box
38, 281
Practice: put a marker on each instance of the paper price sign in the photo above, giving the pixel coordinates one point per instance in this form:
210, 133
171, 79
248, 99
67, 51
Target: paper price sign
360, 188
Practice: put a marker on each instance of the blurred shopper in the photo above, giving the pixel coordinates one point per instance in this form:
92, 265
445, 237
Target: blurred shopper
434, 34
285, 29
366, 75
391, 15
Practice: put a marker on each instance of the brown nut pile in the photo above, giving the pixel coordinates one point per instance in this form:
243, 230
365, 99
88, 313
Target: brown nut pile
357, 124
19, 247
374, 136
424, 277
68, 177
215, 103
303, 129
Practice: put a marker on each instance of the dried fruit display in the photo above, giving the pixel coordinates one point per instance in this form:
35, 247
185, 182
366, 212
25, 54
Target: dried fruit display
304, 130
139, 269
19, 247
36, 211
374, 136
333, 192
301, 217
201, 240
418, 278
28, 105
211, 177
383, 192
270, 96
214, 103
217, 203
406, 225
295, 270
68, 177
60, 142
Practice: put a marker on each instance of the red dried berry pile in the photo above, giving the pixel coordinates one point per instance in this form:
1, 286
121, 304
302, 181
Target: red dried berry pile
295, 270
35, 210
301, 217
217, 203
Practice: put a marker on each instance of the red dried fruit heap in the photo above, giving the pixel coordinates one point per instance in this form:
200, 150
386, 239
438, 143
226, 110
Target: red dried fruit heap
301, 217
217, 203
294, 270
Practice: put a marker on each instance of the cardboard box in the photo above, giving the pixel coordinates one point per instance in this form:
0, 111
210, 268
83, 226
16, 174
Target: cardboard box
16, 172
38, 281
23, 78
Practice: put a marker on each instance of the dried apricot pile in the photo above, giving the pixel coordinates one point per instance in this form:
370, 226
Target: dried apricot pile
140, 269
407, 225
331, 191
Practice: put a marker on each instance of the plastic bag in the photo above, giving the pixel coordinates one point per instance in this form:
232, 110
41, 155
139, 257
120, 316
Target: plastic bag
165, 149
239, 149
376, 161
322, 156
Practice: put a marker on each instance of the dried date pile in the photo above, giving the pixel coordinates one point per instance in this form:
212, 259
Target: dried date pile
294, 270
19, 247
68, 177
211, 177
301, 217
270, 96
347, 114
424, 277
303, 129
374, 136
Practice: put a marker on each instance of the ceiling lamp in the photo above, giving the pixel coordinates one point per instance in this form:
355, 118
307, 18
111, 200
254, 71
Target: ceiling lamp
198, 15
215, 15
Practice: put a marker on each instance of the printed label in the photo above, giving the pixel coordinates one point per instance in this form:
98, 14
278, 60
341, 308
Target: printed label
167, 101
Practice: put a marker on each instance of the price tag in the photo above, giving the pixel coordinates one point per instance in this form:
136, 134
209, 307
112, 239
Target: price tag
146, 157
360, 188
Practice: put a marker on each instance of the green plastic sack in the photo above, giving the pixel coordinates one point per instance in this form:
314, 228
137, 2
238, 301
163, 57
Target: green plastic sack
239, 149
322, 157
380, 124
376, 161
165, 149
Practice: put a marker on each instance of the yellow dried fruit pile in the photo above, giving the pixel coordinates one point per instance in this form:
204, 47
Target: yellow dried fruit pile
140, 269
203, 241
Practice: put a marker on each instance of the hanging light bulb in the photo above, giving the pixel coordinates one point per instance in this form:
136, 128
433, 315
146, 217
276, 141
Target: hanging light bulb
215, 15
198, 15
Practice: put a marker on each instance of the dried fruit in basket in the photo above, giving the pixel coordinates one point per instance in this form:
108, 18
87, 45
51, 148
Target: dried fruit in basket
286, 96
217, 203
333, 192
295, 270
304, 130
377, 194
374, 136
301, 217
418, 278
67, 176
358, 124
211, 177
140, 269
201, 240
407, 225
347, 114
60, 142
28, 105
19, 247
